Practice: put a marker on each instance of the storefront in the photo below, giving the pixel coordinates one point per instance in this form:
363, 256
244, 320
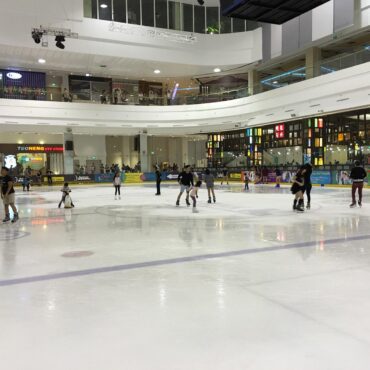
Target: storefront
22, 85
38, 157
337, 139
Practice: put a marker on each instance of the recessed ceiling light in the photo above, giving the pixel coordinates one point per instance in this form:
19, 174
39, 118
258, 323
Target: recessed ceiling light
88, 75
217, 70
42, 61
157, 71
104, 6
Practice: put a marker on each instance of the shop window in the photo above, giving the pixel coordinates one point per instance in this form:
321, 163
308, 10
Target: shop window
174, 15
199, 19
119, 10
225, 24
161, 13
187, 17
105, 12
91, 9
238, 25
133, 11
147, 12
212, 17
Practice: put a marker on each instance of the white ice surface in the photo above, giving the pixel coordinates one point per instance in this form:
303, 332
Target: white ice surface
302, 308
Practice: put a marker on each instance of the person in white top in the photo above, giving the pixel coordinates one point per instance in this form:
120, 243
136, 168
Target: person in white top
194, 194
117, 185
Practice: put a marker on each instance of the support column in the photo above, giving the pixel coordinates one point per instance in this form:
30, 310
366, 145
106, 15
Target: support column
126, 150
144, 153
313, 59
184, 152
68, 153
253, 82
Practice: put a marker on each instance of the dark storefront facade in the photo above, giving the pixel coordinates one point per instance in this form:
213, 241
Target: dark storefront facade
336, 139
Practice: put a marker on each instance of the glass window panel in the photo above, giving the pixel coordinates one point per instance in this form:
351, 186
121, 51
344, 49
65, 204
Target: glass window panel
161, 13
90, 8
105, 10
238, 25
119, 10
199, 19
187, 17
212, 17
148, 12
133, 11
174, 15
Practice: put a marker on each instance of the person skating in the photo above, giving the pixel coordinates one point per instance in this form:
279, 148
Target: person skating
158, 180
358, 175
225, 178
8, 195
65, 191
297, 189
185, 180
308, 183
209, 179
194, 195
117, 185
246, 181
278, 177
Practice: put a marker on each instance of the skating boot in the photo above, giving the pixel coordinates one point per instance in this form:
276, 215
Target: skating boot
178, 203
294, 205
195, 210
308, 206
15, 218
6, 219
359, 204
352, 205
299, 208
214, 200
187, 202
209, 200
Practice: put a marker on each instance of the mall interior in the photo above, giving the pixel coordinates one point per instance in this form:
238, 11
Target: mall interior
91, 88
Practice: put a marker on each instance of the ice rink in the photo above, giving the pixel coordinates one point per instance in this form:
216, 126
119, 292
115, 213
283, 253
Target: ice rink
138, 284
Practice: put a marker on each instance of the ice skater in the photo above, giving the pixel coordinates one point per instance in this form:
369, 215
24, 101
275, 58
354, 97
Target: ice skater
358, 175
278, 177
246, 181
117, 185
194, 195
186, 180
66, 190
297, 189
8, 195
308, 183
209, 179
158, 179
225, 177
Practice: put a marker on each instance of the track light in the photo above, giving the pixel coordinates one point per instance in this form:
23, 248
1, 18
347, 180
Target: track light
36, 36
59, 40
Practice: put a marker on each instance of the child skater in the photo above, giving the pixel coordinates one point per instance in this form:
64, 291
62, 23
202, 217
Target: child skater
117, 185
194, 195
209, 179
297, 189
65, 191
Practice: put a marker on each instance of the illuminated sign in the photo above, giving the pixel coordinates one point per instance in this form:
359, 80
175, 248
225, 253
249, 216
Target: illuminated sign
280, 131
40, 148
14, 75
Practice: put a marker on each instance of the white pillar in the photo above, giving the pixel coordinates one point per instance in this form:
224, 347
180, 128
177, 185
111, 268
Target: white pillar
68, 153
253, 82
144, 153
313, 58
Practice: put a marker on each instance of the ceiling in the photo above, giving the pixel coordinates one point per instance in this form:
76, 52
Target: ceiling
103, 66
268, 11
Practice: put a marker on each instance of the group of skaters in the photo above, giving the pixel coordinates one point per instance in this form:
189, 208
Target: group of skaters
190, 184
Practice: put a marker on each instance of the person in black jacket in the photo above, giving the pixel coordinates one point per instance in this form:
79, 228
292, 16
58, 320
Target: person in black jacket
186, 180
308, 183
158, 179
297, 189
358, 175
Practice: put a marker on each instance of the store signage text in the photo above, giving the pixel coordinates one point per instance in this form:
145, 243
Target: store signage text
40, 149
14, 75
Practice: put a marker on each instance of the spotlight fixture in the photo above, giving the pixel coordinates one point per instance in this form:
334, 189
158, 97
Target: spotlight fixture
157, 71
42, 61
201, 2
59, 41
104, 6
217, 70
37, 36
